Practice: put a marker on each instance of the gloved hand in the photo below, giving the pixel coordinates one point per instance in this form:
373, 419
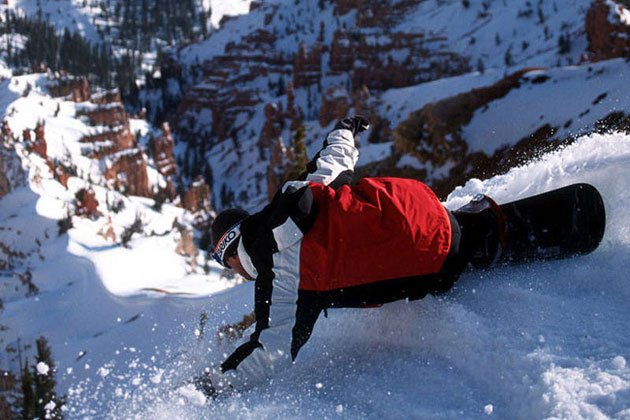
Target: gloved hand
356, 124
203, 383
212, 385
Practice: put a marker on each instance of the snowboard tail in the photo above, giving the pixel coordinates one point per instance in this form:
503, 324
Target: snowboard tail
562, 223
558, 224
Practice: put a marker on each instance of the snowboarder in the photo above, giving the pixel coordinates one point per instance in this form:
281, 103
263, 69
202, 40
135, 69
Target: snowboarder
324, 243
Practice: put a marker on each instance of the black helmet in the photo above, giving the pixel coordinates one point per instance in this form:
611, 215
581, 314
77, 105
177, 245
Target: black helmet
225, 232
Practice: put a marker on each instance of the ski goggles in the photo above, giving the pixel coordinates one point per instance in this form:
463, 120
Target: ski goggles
224, 243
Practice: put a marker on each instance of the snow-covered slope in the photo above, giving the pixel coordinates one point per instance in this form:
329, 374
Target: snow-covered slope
68, 287
564, 102
526, 31
544, 340
570, 99
86, 17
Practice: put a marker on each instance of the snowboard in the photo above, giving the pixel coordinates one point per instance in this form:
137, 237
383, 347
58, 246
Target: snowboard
562, 223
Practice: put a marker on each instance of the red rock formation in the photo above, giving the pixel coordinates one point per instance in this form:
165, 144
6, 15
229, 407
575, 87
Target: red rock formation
74, 89
363, 101
293, 113
163, 152
222, 98
369, 57
382, 59
109, 142
62, 174
39, 145
185, 243
335, 105
5, 182
168, 191
225, 91
86, 203
260, 37
197, 198
6, 130
108, 232
106, 97
272, 128
127, 171
110, 115
113, 143
341, 53
607, 32
307, 66
336, 102
366, 51
282, 159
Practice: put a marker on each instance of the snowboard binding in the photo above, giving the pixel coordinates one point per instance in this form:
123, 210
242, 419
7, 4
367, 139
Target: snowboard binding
484, 231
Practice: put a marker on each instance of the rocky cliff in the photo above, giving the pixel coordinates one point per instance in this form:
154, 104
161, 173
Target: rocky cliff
608, 30
259, 64
225, 91
111, 140
70, 88
248, 87
163, 151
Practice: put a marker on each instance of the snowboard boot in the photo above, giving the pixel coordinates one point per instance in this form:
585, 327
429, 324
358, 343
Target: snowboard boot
484, 231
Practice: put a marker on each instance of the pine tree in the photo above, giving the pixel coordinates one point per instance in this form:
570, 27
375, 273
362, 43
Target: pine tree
9, 51
45, 384
203, 23
481, 68
144, 17
564, 44
509, 61
117, 10
29, 400
300, 153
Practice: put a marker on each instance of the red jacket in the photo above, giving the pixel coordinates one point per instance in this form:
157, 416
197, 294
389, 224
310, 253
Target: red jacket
380, 229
